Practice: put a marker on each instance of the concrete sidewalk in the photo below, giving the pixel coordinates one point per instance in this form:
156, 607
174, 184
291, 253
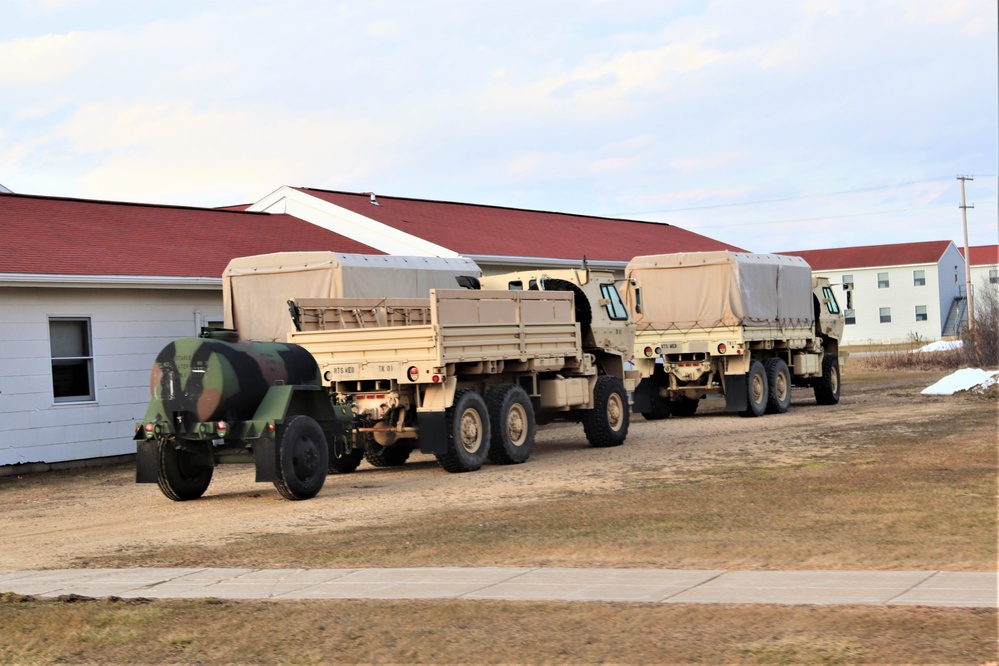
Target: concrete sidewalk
923, 588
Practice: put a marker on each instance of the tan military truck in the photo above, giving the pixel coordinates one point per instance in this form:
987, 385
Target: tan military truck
466, 374
746, 326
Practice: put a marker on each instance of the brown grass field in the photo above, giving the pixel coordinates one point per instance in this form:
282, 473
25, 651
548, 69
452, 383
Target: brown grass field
887, 480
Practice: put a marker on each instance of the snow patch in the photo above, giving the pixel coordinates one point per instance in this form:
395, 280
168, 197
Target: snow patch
941, 345
965, 379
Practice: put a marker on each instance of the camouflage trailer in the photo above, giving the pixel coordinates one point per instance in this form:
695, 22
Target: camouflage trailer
218, 400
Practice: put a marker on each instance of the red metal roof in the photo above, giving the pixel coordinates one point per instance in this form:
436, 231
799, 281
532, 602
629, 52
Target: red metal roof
871, 256
472, 229
983, 255
49, 235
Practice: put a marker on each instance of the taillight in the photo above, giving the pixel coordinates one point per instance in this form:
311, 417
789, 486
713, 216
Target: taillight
648, 351
414, 373
722, 348
222, 427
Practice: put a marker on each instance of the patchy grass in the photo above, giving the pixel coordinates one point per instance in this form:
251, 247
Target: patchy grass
918, 495
113, 631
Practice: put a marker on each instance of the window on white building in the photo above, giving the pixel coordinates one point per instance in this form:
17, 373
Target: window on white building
883, 281
885, 315
72, 359
847, 282
993, 276
849, 317
918, 278
920, 313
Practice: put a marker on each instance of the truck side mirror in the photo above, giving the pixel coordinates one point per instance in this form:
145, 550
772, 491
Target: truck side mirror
849, 296
638, 299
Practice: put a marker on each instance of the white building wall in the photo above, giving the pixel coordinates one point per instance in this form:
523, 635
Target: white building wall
902, 296
129, 327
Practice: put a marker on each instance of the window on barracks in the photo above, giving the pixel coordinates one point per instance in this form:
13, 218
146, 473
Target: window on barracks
72, 360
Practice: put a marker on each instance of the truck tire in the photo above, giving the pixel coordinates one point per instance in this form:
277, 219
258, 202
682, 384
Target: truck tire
302, 458
467, 433
607, 423
683, 406
387, 456
511, 421
179, 477
584, 313
827, 387
343, 458
779, 386
756, 390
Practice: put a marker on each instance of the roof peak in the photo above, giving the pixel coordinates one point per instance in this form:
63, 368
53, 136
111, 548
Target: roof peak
380, 197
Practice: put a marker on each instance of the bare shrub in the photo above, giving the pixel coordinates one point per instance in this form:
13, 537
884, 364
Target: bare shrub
981, 343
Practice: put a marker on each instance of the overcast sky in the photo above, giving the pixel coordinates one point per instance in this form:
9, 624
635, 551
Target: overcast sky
769, 124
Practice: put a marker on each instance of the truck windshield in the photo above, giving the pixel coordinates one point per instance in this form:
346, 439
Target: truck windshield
831, 303
615, 306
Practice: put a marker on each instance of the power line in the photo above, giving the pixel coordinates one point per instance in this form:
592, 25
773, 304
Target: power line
803, 196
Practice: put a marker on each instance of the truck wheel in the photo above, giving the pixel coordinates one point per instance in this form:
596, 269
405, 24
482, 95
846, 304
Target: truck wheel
660, 406
511, 420
827, 388
302, 458
180, 477
756, 390
607, 423
779, 382
387, 456
343, 458
683, 406
467, 433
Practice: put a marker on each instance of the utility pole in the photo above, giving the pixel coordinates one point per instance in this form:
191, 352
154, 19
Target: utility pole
967, 254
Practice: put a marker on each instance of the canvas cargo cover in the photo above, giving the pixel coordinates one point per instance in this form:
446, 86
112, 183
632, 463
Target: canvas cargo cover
690, 290
256, 289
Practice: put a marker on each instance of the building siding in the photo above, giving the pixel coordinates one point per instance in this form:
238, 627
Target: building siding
128, 328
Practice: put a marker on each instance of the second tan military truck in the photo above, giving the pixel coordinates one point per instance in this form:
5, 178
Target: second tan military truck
466, 374
746, 326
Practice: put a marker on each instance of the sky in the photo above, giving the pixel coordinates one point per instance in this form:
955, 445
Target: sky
772, 125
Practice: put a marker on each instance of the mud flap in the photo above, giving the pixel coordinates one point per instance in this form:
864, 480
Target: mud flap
736, 397
641, 398
265, 459
433, 432
147, 461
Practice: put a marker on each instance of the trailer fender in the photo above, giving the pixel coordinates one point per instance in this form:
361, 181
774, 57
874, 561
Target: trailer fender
147, 461
265, 460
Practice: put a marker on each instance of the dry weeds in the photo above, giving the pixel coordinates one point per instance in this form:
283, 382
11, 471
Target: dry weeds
347, 632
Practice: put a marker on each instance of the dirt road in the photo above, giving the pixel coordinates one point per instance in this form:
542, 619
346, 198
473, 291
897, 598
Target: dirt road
51, 519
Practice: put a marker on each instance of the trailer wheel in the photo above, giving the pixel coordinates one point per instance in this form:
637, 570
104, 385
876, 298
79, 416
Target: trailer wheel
511, 420
779, 382
180, 477
607, 423
827, 388
683, 406
756, 390
344, 459
387, 456
302, 458
467, 433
